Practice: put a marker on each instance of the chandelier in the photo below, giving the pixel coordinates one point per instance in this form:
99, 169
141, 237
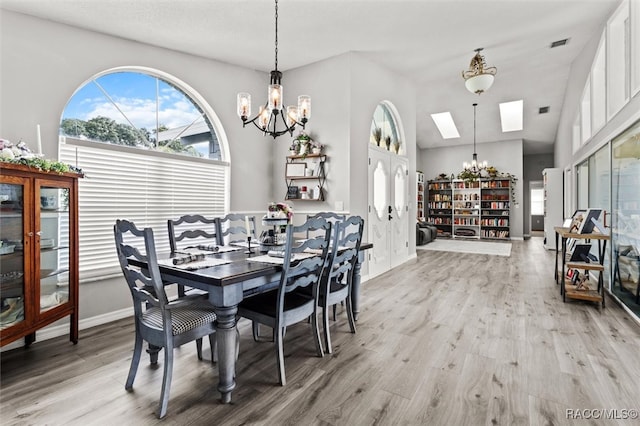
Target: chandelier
273, 111
479, 77
475, 166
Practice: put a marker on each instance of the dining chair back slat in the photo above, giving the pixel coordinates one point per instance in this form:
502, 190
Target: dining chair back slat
192, 230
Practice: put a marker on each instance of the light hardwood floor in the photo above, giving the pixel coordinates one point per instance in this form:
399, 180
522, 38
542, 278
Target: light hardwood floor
447, 339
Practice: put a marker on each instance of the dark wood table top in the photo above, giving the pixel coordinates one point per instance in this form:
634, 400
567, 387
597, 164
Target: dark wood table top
238, 270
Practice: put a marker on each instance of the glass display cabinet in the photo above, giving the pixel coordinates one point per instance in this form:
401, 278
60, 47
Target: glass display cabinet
38, 251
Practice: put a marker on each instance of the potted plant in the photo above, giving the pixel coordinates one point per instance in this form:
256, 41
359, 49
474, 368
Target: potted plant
396, 146
316, 147
293, 149
303, 141
387, 142
377, 135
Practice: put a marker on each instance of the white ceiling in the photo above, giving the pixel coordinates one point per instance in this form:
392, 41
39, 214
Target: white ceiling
428, 41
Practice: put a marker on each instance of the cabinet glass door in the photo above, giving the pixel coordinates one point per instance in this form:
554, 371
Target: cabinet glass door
12, 258
53, 230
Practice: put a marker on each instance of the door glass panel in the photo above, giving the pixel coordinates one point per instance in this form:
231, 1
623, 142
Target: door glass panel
11, 255
54, 247
380, 196
399, 180
625, 217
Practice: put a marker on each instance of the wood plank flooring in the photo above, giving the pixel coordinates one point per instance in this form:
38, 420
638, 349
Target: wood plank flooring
447, 339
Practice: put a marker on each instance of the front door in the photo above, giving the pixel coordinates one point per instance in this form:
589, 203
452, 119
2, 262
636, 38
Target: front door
388, 210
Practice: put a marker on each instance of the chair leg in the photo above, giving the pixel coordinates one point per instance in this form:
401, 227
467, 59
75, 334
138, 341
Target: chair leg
214, 347
166, 380
255, 328
352, 322
315, 329
135, 361
199, 348
325, 321
280, 355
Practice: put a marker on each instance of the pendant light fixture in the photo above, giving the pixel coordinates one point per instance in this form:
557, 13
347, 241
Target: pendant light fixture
273, 111
475, 166
479, 77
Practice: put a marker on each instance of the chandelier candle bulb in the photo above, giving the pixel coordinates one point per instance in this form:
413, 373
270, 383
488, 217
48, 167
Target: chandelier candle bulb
275, 95
244, 105
304, 107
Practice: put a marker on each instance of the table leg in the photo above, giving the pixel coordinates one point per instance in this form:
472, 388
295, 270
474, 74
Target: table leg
226, 341
555, 272
355, 286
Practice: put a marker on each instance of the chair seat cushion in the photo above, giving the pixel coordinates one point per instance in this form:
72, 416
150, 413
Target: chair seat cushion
265, 303
184, 318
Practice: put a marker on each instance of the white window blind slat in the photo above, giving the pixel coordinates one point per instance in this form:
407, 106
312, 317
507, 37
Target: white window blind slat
145, 189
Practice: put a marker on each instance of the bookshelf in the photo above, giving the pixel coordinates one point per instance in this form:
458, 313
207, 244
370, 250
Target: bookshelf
495, 209
464, 209
439, 206
420, 211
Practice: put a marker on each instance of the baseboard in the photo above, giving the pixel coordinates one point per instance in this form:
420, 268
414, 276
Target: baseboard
63, 329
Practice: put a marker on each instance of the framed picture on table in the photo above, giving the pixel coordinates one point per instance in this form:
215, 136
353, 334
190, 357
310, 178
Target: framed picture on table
588, 224
576, 221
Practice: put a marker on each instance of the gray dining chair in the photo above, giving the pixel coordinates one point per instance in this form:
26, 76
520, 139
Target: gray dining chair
286, 306
331, 217
163, 324
338, 276
232, 228
190, 231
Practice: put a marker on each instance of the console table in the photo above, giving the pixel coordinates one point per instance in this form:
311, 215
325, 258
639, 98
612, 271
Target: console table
568, 290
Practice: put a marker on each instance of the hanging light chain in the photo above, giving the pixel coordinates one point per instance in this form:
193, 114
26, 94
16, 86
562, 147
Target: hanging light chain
276, 50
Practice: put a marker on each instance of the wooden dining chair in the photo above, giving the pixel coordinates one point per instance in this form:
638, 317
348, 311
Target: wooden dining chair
190, 231
232, 228
338, 275
161, 323
286, 306
331, 217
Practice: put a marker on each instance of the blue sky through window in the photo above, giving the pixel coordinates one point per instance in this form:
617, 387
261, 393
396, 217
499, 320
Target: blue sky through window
135, 95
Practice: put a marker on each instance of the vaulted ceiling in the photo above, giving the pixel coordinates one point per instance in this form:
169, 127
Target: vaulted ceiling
429, 42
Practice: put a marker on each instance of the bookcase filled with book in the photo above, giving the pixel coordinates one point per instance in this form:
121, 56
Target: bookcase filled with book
439, 206
466, 209
470, 209
420, 212
494, 212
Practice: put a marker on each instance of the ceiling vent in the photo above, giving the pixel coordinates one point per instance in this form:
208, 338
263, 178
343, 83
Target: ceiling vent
543, 110
559, 43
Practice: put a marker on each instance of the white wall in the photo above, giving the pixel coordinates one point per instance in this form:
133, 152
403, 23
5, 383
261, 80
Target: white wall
506, 156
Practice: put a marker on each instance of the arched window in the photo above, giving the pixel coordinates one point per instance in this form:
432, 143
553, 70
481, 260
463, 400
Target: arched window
384, 129
151, 148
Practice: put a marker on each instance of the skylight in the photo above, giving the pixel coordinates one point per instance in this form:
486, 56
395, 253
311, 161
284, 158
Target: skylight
445, 125
511, 116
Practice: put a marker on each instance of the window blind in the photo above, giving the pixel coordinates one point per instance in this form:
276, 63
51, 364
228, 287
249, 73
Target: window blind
144, 187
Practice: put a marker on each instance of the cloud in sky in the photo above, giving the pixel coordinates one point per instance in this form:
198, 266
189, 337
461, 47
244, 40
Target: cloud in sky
142, 112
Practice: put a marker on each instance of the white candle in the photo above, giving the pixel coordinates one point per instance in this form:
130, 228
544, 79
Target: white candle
246, 224
39, 139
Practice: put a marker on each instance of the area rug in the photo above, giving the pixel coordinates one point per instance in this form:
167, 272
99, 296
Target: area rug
465, 246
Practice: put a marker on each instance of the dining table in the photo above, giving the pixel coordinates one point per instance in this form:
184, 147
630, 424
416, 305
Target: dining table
237, 273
